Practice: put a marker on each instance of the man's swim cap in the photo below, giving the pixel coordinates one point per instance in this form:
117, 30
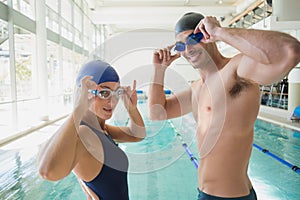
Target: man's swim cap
101, 72
188, 21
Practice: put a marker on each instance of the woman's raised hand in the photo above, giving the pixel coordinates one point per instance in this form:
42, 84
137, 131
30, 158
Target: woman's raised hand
130, 97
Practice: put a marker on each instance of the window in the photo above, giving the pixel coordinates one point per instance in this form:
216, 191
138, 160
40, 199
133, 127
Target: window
26, 7
5, 85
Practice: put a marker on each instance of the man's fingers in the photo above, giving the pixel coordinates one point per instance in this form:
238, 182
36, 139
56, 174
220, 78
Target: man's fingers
174, 57
170, 47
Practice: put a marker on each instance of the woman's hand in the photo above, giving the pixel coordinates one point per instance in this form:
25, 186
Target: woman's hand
81, 103
130, 97
81, 96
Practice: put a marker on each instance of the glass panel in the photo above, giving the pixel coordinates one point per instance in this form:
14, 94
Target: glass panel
52, 20
6, 124
5, 83
78, 36
66, 30
66, 11
53, 69
85, 8
69, 72
53, 4
5, 87
24, 51
26, 74
87, 26
77, 19
25, 7
87, 31
4, 1
93, 37
78, 2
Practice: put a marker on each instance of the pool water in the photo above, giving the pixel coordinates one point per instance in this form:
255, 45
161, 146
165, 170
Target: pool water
159, 167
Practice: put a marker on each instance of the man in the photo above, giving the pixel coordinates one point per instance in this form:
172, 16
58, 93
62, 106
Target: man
226, 99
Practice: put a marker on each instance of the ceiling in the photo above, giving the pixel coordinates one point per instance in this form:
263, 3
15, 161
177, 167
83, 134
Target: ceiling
126, 15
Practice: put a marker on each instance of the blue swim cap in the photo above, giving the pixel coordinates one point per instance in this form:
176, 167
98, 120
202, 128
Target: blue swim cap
188, 21
101, 72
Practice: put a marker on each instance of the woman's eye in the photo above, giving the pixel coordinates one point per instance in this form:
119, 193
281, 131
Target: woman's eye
104, 93
120, 92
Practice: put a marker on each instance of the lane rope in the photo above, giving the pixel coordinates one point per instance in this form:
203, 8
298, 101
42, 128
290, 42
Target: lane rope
295, 168
267, 152
185, 146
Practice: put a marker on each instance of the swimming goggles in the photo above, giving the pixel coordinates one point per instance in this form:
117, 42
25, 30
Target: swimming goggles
107, 93
191, 40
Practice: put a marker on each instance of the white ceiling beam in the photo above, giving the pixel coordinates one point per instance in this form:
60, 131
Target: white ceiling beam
131, 3
152, 15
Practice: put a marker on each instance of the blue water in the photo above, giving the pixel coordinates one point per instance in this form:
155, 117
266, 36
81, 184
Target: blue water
159, 167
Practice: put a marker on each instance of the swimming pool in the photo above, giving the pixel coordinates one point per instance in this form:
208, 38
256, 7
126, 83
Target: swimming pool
159, 167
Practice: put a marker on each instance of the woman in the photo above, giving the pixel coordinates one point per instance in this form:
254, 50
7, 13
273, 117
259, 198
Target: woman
85, 144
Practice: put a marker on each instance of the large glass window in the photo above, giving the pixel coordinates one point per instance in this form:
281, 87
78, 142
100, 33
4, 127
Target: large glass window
54, 69
52, 20
85, 7
26, 7
94, 37
77, 18
26, 79
78, 26
5, 87
20, 100
78, 37
87, 31
78, 3
53, 4
66, 30
69, 72
3, 1
66, 8
6, 112
60, 98
24, 51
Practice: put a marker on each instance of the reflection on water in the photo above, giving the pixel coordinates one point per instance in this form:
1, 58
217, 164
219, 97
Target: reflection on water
284, 143
19, 178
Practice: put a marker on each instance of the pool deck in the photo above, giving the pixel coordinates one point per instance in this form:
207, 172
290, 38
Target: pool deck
282, 121
266, 116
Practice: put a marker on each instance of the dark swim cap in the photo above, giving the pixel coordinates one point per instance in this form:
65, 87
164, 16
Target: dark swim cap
188, 21
101, 72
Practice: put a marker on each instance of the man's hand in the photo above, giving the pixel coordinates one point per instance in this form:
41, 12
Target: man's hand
209, 27
162, 58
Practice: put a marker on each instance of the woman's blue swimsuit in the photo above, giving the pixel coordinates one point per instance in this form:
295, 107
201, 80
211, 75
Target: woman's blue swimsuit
111, 182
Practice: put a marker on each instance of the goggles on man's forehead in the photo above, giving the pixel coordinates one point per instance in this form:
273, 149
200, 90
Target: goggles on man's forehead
191, 40
106, 93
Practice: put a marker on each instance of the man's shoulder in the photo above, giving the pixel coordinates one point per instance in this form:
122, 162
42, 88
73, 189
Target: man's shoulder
235, 60
196, 83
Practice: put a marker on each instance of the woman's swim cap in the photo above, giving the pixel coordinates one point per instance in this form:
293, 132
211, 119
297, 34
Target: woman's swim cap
101, 72
188, 21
